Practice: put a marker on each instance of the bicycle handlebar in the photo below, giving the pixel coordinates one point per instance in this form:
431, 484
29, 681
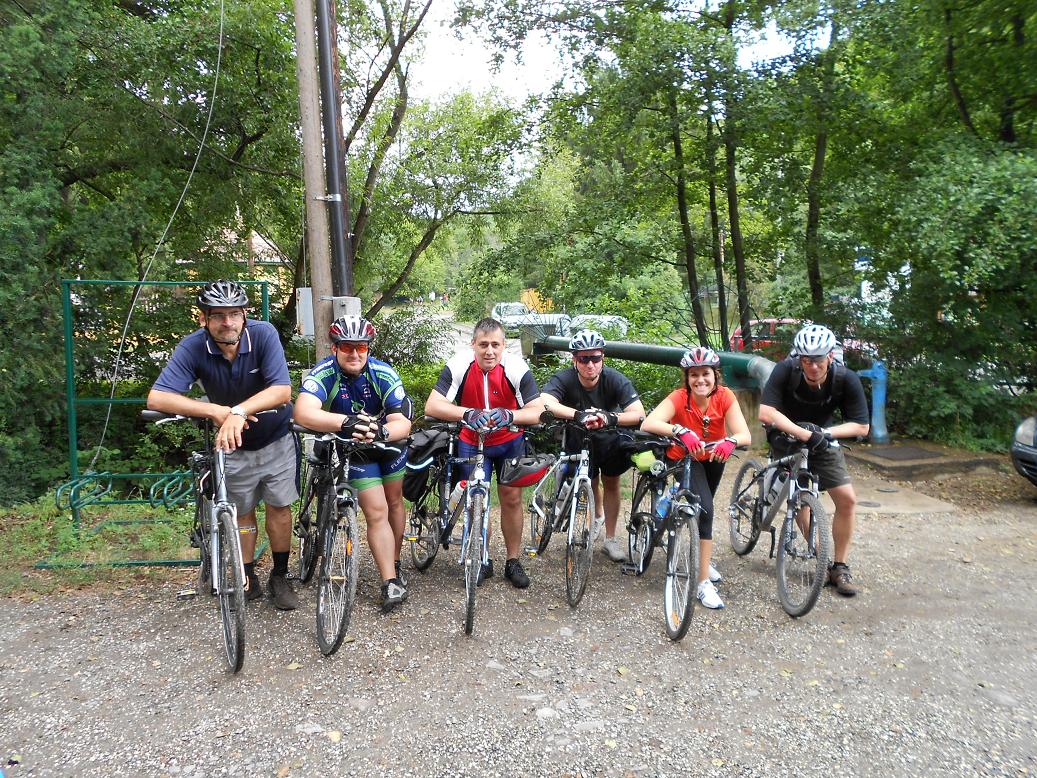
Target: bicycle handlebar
161, 417
353, 443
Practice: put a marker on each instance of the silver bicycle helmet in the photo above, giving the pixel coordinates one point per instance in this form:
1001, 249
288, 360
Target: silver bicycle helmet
700, 356
814, 340
586, 340
354, 329
222, 294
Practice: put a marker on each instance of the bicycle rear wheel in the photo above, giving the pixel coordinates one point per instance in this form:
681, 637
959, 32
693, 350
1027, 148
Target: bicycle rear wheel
579, 551
473, 553
682, 568
424, 524
200, 538
336, 582
541, 511
641, 528
745, 511
803, 557
314, 505
231, 590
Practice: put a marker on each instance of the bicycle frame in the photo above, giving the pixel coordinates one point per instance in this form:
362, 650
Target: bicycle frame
478, 483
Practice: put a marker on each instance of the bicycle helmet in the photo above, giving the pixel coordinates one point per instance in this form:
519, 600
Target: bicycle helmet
355, 329
700, 356
586, 340
222, 294
814, 340
525, 471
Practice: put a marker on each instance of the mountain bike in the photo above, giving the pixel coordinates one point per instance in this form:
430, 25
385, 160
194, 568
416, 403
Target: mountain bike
563, 502
431, 518
671, 523
805, 541
327, 529
215, 535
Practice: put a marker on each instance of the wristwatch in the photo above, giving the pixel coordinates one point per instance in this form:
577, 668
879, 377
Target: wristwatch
237, 410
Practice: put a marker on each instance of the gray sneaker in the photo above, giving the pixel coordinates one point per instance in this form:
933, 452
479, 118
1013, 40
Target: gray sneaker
281, 592
614, 551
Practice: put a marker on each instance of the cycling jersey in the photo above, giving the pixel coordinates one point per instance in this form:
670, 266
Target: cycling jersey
613, 391
510, 385
796, 400
376, 391
687, 414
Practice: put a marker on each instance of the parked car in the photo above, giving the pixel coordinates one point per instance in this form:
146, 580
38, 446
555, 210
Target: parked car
611, 327
773, 339
1024, 449
514, 316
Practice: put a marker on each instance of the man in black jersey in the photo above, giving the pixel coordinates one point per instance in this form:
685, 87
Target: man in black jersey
808, 388
597, 396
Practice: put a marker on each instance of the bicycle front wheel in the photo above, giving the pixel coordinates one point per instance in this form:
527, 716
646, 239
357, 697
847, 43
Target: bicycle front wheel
231, 590
682, 568
473, 553
336, 583
424, 525
579, 550
745, 511
804, 549
541, 511
313, 506
641, 529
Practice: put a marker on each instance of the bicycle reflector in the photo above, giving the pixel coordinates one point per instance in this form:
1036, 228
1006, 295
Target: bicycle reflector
525, 471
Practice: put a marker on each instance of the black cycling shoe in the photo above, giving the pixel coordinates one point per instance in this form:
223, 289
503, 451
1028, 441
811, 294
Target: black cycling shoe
399, 574
486, 571
513, 572
393, 593
253, 590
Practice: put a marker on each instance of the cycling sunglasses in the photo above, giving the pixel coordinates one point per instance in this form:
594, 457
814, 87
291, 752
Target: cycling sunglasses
359, 348
588, 358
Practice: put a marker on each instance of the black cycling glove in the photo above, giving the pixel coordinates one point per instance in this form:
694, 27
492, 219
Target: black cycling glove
818, 443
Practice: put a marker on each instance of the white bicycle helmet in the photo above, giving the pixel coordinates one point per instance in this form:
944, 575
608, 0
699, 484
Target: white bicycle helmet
700, 356
353, 329
814, 340
222, 294
586, 340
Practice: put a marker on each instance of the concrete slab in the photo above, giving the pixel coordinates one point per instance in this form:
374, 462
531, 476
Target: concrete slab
879, 495
918, 460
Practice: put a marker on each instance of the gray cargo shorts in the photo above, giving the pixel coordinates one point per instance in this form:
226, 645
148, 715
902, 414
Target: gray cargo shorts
266, 474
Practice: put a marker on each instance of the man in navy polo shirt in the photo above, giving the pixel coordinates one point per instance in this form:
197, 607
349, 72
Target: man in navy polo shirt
241, 366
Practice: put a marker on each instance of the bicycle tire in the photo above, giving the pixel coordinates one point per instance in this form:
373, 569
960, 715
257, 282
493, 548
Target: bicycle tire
579, 551
473, 554
541, 524
424, 524
336, 582
802, 559
641, 528
746, 508
310, 510
231, 591
682, 568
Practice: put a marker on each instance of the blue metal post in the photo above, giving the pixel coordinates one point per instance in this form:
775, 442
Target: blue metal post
879, 376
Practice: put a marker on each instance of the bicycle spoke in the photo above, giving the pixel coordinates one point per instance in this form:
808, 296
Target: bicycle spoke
802, 558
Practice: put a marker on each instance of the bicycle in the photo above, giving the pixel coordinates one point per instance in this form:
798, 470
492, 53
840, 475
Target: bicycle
215, 534
431, 518
676, 530
333, 536
805, 540
562, 502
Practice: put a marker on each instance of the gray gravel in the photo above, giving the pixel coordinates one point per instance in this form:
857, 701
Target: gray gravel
930, 671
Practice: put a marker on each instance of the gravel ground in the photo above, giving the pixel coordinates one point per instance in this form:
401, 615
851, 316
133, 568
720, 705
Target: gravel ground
931, 670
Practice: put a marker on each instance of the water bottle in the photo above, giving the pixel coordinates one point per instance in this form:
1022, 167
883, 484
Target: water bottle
663, 506
455, 496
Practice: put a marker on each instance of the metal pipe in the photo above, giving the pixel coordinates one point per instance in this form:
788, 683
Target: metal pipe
879, 375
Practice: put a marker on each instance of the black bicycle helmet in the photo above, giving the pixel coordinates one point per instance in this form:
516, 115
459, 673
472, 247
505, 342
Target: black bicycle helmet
222, 294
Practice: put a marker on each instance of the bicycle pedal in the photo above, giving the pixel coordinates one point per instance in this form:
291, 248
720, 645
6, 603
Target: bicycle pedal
187, 594
628, 569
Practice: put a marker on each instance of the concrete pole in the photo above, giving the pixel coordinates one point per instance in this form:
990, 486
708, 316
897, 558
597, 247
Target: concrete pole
318, 240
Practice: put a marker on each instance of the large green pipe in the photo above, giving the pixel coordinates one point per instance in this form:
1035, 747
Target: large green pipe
747, 371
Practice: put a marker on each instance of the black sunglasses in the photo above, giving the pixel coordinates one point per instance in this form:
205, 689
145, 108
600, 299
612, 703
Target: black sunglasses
583, 360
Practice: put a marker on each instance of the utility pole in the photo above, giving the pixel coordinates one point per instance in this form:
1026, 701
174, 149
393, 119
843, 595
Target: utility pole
317, 239
331, 114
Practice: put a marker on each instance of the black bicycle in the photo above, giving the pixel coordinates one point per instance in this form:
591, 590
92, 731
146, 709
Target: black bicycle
215, 535
668, 519
431, 477
805, 542
327, 529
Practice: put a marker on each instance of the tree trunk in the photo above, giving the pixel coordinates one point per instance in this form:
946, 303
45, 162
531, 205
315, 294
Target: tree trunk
682, 210
417, 251
952, 78
714, 222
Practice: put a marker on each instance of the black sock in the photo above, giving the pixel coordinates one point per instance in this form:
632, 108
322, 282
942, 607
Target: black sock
280, 563
250, 571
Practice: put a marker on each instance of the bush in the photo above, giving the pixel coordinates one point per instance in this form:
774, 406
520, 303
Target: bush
412, 336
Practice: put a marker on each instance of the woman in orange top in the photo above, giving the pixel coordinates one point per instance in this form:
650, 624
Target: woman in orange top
702, 411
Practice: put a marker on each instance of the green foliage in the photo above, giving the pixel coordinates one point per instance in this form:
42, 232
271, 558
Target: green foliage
419, 381
412, 335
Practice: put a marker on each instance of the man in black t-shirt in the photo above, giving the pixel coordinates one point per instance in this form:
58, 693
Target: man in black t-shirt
810, 387
597, 396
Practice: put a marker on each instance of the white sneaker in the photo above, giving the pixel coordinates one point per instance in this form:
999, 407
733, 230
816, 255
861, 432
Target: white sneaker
708, 595
597, 527
714, 575
613, 550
